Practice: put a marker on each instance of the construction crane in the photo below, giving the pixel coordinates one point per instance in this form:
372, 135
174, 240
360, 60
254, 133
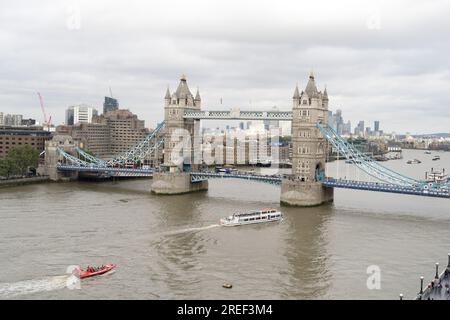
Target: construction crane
47, 121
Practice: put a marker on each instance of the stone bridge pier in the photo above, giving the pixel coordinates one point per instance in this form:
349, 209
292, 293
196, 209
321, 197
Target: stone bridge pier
174, 177
309, 149
52, 158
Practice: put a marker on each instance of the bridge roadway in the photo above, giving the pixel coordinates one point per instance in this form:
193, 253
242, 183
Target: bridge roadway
205, 175
384, 187
124, 172
271, 179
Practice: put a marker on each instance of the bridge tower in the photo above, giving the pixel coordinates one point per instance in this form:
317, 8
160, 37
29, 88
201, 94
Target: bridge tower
52, 158
175, 177
309, 149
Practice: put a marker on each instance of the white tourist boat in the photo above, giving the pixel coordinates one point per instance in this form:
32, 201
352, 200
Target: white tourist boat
263, 215
436, 176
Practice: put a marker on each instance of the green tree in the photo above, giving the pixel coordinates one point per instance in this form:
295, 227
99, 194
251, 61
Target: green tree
6, 167
21, 158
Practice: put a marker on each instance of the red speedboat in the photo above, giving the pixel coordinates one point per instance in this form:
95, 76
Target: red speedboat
92, 271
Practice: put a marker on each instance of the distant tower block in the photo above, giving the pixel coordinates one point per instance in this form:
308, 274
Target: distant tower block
309, 149
175, 179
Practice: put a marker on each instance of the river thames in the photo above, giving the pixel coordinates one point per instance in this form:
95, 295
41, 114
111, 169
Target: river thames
171, 247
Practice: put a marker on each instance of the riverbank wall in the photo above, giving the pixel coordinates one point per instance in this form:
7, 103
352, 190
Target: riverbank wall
23, 181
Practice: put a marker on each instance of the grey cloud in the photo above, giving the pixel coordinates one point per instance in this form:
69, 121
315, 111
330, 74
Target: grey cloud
238, 51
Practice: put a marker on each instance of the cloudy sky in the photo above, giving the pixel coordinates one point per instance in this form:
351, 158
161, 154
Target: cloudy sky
380, 60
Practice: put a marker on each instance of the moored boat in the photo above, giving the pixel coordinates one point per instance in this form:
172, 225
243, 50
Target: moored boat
263, 215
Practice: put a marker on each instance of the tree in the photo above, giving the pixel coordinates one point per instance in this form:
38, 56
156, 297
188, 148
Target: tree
20, 159
6, 167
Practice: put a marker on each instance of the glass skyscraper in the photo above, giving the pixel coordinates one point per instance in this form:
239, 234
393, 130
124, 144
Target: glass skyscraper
110, 104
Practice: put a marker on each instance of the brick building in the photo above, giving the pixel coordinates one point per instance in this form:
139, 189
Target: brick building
110, 134
11, 137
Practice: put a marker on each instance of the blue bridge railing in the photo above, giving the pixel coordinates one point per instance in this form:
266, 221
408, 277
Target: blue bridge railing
201, 176
385, 187
108, 170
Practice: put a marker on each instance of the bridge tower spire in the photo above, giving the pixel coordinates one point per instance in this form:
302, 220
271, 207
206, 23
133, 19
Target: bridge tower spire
309, 149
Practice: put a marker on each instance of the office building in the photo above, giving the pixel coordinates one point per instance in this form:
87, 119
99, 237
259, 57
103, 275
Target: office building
359, 130
80, 114
347, 128
376, 126
110, 104
12, 120
110, 134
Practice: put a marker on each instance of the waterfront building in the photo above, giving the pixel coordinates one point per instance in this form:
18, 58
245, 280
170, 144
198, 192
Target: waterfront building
1, 118
13, 136
80, 114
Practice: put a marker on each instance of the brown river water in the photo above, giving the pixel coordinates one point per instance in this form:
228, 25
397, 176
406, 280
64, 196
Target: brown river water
171, 247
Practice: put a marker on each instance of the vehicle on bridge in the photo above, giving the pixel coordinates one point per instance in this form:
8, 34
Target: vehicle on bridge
225, 169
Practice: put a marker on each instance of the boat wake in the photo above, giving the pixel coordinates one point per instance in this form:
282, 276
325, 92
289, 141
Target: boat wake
175, 232
11, 290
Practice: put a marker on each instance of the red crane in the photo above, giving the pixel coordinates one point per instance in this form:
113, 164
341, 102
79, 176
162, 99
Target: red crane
47, 121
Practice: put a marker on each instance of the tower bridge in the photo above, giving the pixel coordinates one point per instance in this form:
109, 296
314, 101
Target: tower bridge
307, 185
